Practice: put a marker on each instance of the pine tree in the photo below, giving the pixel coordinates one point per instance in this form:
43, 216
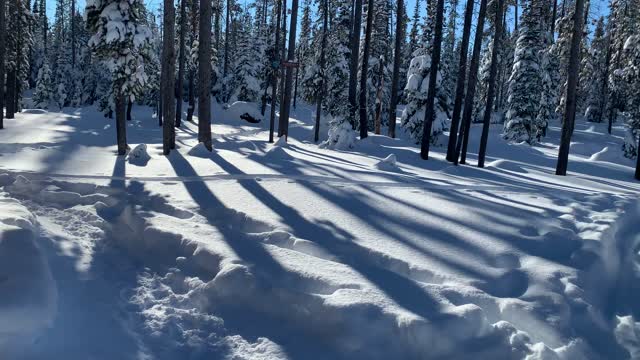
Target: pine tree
526, 82
397, 63
631, 75
124, 49
379, 70
246, 68
593, 74
3, 36
44, 87
204, 75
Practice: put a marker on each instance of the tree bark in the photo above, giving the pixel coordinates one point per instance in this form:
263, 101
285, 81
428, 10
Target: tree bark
181, 61
378, 115
430, 112
3, 36
397, 60
460, 83
73, 34
11, 94
638, 160
515, 28
129, 108
204, 75
463, 137
492, 84
121, 123
276, 71
363, 75
168, 68
355, 53
605, 85
192, 76
554, 14
572, 85
284, 118
283, 49
325, 30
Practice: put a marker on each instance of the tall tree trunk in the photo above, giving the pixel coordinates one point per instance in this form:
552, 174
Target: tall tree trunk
226, 39
325, 31
11, 94
192, 76
121, 123
204, 76
73, 33
168, 71
129, 108
355, 53
605, 85
283, 78
572, 85
378, 115
363, 74
288, 86
275, 73
430, 112
397, 60
181, 61
216, 24
43, 10
460, 82
497, 39
463, 137
3, 35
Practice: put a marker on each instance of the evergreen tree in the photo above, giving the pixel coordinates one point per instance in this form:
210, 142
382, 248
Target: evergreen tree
121, 38
526, 82
379, 69
631, 75
246, 69
44, 87
593, 74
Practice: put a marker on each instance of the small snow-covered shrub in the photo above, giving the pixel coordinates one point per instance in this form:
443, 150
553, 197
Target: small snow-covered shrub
341, 135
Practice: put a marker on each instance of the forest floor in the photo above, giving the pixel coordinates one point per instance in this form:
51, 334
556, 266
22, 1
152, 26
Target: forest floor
290, 251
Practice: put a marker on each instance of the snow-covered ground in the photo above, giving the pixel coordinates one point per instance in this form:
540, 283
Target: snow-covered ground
289, 251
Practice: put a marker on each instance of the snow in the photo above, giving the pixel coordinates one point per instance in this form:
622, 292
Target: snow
293, 251
139, 155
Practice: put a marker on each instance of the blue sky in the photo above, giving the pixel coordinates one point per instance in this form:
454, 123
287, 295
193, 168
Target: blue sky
598, 7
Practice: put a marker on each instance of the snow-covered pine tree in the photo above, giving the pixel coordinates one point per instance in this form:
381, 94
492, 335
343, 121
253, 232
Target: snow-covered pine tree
247, 67
631, 75
341, 131
305, 52
379, 69
44, 87
450, 54
121, 38
526, 83
593, 74
416, 96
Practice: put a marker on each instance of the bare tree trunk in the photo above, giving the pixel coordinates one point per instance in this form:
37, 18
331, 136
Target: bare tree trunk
378, 117
181, 61
638, 161
325, 31
463, 137
3, 36
492, 84
355, 52
554, 15
282, 56
572, 85
216, 24
192, 76
121, 123
204, 76
395, 79
460, 83
73, 33
515, 16
605, 82
284, 118
226, 39
11, 94
276, 71
129, 108
168, 68
365, 69
430, 113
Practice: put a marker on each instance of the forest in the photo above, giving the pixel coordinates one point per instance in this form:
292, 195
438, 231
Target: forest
319, 179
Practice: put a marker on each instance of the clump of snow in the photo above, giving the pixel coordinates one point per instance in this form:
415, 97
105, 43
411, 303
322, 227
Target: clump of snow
388, 164
241, 110
277, 149
34, 111
341, 135
200, 150
28, 292
628, 335
139, 155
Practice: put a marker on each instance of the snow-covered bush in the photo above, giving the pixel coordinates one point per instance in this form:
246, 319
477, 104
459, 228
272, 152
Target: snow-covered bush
416, 93
341, 135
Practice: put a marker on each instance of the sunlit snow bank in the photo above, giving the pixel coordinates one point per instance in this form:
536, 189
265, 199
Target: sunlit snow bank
27, 289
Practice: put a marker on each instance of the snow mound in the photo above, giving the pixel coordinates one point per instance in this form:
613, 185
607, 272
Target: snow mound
34, 111
388, 164
139, 155
28, 301
628, 335
246, 111
341, 136
199, 151
277, 149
